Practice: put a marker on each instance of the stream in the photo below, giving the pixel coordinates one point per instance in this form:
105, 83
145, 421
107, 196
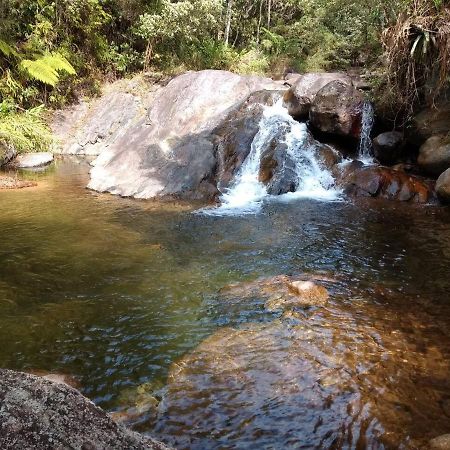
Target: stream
140, 298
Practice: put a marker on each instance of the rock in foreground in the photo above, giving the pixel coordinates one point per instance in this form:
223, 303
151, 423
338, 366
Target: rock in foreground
39, 414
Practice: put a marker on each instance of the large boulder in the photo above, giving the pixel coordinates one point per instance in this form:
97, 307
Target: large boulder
443, 187
388, 147
434, 155
337, 109
172, 151
40, 414
299, 97
33, 160
431, 121
387, 183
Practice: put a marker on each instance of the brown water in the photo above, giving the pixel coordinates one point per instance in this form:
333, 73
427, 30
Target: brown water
134, 299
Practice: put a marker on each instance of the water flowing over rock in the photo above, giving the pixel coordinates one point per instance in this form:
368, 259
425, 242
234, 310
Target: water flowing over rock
299, 97
443, 187
337, 110
39, 414
172, 150
388, 147
365, 149
434, 155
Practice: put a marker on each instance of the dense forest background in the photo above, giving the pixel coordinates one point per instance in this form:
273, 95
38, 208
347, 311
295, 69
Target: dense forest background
52, 52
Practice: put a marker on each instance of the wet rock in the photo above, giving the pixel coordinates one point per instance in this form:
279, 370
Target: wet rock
37, 413
7, 153
386, 183
299, 97
337, 109
328, 155
236, 135
32, 160
172, 150
309, 293
440, 443
388, 147
434, 155
443, 187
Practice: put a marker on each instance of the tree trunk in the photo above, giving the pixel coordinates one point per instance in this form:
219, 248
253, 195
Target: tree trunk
228, 21
258, 31
269, 13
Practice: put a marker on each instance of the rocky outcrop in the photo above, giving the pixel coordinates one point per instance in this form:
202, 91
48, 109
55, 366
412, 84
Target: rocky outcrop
337, 110
383, 182
172, 150
434, 155
33, 160
388, 147
7, 153
89, 127
443, 187
38, 414
299, 97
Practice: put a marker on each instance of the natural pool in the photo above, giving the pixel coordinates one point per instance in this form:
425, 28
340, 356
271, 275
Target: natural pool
115, 291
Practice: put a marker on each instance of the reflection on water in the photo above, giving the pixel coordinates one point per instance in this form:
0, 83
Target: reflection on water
124, 294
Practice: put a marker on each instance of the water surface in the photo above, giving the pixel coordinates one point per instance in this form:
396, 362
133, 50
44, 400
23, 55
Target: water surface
115, 291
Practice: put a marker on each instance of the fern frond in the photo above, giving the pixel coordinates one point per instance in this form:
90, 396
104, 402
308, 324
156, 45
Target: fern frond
47, 69
7, 50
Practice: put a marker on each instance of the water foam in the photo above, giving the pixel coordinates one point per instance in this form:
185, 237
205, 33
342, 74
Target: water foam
247, 193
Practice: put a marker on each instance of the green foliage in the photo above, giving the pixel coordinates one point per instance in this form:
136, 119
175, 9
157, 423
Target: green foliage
47, 68
25, 131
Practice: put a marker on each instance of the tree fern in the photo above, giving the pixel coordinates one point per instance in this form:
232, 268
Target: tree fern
47, 68
7, 50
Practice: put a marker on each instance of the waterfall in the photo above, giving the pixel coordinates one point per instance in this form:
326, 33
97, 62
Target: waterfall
246, 193
365, 141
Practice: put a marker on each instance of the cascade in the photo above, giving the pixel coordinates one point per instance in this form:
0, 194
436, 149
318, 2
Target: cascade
246, 193
365, 142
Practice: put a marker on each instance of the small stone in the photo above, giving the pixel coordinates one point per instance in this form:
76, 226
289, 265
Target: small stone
309, 293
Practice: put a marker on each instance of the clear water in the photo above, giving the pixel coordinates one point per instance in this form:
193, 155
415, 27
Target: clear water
247, 193
124, 294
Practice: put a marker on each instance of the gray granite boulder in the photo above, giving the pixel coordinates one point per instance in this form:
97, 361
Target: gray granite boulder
39, 414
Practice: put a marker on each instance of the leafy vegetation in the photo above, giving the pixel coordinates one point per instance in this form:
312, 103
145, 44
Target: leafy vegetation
51, 51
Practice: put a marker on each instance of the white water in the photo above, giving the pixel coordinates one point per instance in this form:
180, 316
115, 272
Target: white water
365, 142
247, 193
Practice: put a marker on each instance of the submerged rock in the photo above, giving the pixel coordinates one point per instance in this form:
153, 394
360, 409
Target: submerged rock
33, 160
39, 414
388, 147
299, 97
337, 110
434, 155
443, 187
172, 150
9, 182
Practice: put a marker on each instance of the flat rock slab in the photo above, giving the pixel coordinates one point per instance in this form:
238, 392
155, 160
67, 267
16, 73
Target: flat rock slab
32, 160
40, 414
